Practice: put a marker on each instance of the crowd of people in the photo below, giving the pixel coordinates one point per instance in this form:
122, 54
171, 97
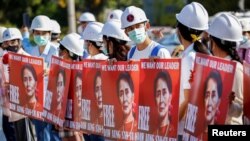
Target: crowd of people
124, 37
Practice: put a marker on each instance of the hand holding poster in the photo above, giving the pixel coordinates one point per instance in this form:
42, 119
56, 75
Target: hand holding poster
246, 99
73, 119
209, 95
158, 99
120, 100
57, 91
92, 97
26, 86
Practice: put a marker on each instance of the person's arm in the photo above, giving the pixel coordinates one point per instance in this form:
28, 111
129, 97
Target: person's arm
236, 106
186, 69
27, 46
183, 105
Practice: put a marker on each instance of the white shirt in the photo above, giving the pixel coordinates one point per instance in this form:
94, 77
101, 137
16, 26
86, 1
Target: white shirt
145, 53
187, 65
99, 56
235, 111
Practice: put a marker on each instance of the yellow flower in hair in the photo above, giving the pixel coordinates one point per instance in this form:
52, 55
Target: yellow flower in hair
195, 37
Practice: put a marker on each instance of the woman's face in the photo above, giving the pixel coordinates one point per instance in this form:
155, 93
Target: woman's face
29, 82
78, 91
126, 97
60, 87
212, 100
98, 92
162, 98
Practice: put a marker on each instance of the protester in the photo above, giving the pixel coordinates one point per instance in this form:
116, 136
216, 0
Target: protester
84, 19
244, 48
94, 41
223, 44
115, 40
24, 130
191, 22
136, 24
55, 33
41, 30
71, 49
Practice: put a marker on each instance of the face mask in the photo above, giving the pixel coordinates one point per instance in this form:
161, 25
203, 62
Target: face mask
245, 38
137, 35
41, 40
104, 50
12, 48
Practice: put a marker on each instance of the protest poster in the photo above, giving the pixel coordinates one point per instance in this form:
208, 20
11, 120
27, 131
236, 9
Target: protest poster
120, 82
57, 91
159, 99
209, 95
246, 92
26, 85
73, 118
92, 97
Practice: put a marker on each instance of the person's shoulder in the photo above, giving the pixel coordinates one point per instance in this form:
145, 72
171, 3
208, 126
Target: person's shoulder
162, 51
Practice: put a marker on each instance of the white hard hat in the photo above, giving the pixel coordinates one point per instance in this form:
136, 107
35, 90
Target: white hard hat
115, 14
87, 17
11, 34
42, 23
93, 31
133, 15
2, 29
56, 28
73, 43
113, 29
194, 16
226, 27
245, 24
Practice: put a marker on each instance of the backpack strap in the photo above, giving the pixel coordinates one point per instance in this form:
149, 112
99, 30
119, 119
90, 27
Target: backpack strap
132, 51
156, 50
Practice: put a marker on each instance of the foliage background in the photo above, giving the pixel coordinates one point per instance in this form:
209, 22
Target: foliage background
159, 12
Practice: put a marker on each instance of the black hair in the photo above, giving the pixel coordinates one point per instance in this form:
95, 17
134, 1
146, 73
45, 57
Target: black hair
186, 33
229, 47
97, 45
72, 55
118, 50
98, 74
215, 75
55, 36
31, 69
125, 76
165, 76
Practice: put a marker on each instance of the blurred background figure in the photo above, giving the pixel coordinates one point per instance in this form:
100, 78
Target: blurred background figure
84, 19
115, 15
55, 33
1, 40
2, 136
244, 48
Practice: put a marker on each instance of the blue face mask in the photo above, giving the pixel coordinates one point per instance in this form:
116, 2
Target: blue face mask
41, 40
245, 39
138, 35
